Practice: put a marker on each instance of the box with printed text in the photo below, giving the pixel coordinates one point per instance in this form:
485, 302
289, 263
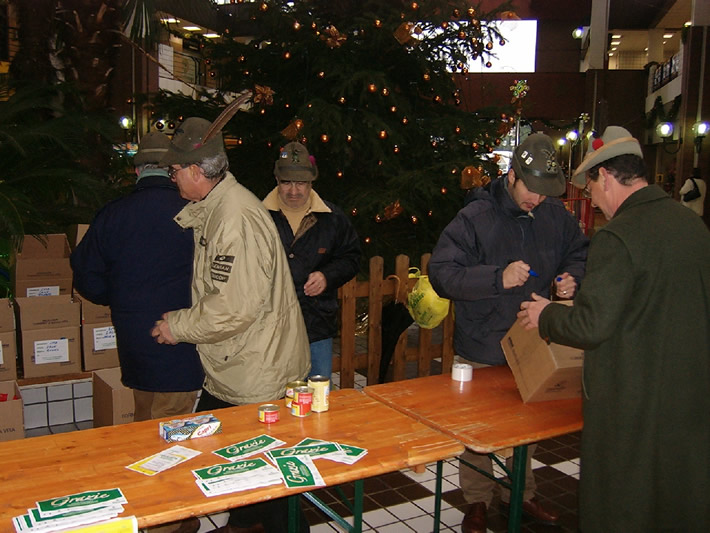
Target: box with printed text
50, 336
12, 422
112, 401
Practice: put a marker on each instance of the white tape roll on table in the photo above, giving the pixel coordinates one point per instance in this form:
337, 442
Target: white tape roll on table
462, 372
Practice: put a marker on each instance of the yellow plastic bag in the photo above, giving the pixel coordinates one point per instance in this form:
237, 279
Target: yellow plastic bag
427, 308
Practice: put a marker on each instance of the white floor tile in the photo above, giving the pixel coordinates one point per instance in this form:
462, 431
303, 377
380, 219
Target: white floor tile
322, 528
427, 504
404, 511
452, 517
427, 475
378, 517
399, 527
421, 523
567, 467
445, 485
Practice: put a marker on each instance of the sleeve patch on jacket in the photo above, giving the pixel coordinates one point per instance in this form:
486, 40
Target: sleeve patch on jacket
221, 267
224, 258
216, 276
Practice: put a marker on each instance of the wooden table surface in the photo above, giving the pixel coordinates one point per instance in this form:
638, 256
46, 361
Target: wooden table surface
485, 414
45, 467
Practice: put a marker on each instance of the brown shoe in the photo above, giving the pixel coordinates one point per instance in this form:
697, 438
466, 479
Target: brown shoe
534, 510
475, 519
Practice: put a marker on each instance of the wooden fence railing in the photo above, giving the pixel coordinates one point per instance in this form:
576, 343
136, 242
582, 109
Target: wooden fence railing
378, 291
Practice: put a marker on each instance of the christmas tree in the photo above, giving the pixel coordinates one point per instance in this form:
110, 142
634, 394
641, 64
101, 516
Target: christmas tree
369, 86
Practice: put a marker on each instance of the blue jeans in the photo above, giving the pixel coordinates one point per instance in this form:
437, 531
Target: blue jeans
322, 358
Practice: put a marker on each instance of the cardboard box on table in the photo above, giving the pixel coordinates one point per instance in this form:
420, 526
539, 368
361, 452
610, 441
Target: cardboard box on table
12, 422
51, 339
43, 269
542, 371
98, 336
8, 341
113, 403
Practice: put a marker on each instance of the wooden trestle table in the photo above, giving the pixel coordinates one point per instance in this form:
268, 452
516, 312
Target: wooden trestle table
56, 465
485, 414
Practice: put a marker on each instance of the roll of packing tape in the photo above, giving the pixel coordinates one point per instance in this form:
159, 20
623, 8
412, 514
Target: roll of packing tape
462, 372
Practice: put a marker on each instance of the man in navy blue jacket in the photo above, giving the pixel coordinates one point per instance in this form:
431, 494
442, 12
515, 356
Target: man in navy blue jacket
137, 260
510, 240
321, 244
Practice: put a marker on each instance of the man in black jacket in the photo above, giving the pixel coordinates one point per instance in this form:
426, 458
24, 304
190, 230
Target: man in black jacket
510, 240
321, 244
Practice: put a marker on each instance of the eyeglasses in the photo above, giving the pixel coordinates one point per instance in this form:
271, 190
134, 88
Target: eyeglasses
172, 171
586, 193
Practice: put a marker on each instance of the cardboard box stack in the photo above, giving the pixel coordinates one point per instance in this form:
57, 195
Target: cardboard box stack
12, 423
98, 337
42, 269
113, 403
542, 371
49, 329
8, 341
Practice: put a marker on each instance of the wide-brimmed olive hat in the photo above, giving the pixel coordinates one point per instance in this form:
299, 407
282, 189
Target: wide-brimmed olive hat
188, 146
615, 141
295, 164
535, 162
152, 148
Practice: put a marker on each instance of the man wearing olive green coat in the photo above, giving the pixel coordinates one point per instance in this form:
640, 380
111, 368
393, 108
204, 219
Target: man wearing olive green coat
642, 316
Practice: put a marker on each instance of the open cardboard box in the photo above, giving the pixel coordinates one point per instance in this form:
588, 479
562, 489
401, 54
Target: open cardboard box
542, 371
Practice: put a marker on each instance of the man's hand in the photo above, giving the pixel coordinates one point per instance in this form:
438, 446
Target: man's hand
565, 285
161, 331
515, 274
315, 284
529, 313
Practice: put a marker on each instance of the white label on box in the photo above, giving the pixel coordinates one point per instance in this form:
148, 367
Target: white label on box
104, 338
2, 360
52, 290
52, 351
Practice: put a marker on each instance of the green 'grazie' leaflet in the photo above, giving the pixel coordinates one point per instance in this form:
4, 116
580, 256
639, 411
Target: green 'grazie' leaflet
80, 501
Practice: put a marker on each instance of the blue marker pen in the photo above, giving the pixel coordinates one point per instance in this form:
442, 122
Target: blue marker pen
533, 273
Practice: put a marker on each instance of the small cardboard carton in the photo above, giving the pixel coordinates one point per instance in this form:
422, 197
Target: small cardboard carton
12, 423
43, 269
76, 233
542, 371
98, 342
8, 341
51, 340
113, 403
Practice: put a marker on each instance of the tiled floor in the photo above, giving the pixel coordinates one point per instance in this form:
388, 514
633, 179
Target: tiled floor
402, 502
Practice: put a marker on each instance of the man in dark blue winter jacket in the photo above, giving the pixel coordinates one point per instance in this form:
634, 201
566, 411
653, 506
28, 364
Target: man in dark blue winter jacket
137, 260
510, 240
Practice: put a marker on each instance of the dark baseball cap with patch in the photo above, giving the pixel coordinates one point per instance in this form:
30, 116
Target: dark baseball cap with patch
535, 162
187, 146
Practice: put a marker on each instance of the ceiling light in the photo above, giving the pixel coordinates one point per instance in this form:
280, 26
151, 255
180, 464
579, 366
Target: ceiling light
210, 35
688, 23
616, 36
667, 35
192, 28
614, 49
615, 43
611, 54
169, 21
577, 33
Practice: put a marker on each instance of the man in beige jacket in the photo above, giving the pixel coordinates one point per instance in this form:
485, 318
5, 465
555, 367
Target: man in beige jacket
245, 317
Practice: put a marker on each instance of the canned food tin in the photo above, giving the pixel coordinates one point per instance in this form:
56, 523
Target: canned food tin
268, 413
289, 390
302, 401
321, 393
